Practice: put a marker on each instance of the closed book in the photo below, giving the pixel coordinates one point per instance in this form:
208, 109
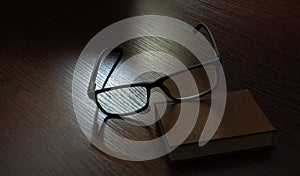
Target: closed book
243, 127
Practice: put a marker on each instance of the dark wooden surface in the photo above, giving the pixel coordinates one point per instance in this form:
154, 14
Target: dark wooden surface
41, 42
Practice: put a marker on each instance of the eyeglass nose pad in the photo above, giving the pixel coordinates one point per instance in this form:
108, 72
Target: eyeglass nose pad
147, 109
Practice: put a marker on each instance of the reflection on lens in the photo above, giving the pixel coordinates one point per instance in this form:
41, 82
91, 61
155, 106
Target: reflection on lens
124, 100
180, 86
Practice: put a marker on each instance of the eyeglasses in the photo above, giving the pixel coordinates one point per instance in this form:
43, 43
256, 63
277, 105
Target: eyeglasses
134, 98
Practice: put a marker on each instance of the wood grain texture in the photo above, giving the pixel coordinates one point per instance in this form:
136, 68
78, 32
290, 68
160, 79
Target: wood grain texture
41, 42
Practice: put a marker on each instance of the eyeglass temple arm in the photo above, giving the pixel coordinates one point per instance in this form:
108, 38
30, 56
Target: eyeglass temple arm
117, 50
202, 25
92, 83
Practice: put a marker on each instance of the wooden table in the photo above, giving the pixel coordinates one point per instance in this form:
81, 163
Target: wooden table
41, 43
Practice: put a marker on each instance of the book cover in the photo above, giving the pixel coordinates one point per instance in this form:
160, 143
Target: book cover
244, 126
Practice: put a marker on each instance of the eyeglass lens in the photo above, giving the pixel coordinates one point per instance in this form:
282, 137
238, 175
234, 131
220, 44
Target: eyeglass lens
124, 100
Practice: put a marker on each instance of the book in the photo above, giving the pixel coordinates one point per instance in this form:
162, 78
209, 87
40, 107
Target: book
243, 127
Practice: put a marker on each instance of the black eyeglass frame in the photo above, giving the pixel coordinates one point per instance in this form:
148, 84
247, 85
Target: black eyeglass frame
92, 93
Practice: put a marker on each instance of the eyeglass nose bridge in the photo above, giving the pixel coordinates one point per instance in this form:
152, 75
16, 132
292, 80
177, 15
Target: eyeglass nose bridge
160, 85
